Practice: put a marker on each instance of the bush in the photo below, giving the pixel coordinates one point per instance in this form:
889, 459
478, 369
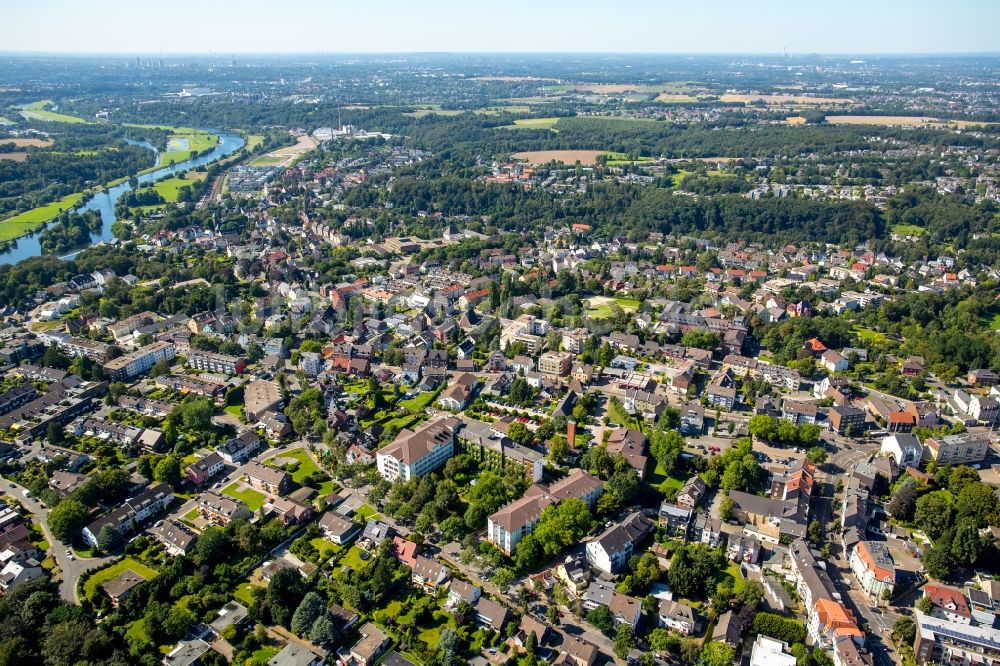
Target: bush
779, 627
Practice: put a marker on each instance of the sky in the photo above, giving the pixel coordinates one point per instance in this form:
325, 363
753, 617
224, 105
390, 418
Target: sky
535, 26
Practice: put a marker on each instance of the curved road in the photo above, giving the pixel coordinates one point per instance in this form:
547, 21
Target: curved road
71, 569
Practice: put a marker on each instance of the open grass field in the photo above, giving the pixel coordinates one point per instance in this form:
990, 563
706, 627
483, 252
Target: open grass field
40, 111
600, 306
253, 499
30, 220
24, 142
116, 569
306, 465
267, 160
253, 140
776, 100
617, 159
170, 188
868, 335
907, 230
568, 157
14, 157
182, 146
916, 121
532, 123
288, 155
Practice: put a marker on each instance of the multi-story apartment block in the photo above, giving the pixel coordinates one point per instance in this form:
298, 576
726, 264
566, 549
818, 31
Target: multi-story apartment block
214, 362
957, 449
142, 359
414, 454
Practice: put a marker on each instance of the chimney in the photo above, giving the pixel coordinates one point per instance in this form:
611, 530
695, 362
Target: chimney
571, 434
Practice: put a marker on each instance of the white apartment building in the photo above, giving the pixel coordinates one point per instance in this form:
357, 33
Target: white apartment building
414, 454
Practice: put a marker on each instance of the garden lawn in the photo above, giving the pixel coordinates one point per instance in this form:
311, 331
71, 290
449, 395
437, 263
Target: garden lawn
253, 499
352, 558
327, 549
662, 482
244, 593
733, 574
136, 632
419, 403
264, 654
367, 511
432, 634
104, 575
235, 410
619, 416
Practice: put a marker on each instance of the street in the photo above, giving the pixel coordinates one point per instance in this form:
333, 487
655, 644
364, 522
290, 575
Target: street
70, 570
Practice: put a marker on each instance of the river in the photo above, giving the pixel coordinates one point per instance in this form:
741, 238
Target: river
104, 202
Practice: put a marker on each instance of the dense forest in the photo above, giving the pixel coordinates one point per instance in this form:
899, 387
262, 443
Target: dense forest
70, 231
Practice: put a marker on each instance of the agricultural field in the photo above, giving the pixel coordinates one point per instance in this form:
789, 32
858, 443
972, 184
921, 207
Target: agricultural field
24, 142
672, 98
104, 575
780, 100
420, 113
570, 157
532, 123
40, 111
14, 157
30, 220
914, 121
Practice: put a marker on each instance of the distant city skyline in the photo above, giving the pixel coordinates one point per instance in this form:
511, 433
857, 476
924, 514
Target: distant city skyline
517, 26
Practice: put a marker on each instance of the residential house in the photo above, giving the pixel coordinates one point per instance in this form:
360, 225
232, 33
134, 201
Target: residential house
677, 616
